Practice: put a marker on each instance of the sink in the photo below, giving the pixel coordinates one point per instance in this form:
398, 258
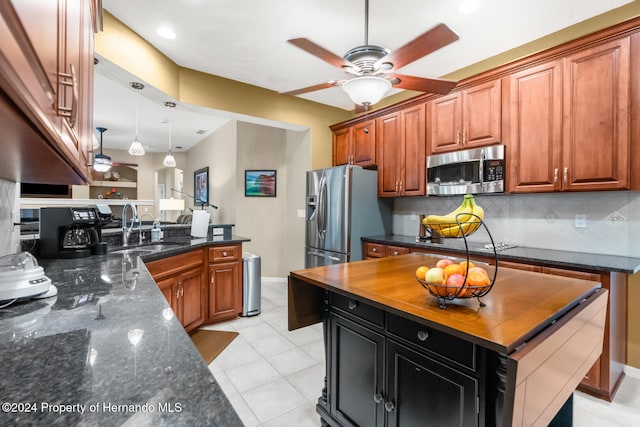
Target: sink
147, 248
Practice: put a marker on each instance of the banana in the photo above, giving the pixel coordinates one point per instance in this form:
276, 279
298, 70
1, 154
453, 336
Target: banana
468, 214
462, 213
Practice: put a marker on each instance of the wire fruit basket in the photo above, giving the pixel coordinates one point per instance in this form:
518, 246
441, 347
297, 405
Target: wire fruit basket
472, 281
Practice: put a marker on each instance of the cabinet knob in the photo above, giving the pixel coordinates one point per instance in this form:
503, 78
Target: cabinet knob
423, 335
377, 398
352, 305
389, 406
374, 250
224, 253
396, 253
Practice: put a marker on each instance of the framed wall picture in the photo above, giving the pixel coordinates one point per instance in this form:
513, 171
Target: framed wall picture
201, 187
260, 183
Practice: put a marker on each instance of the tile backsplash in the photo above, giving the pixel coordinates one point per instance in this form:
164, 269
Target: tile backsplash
545, 221
9, 199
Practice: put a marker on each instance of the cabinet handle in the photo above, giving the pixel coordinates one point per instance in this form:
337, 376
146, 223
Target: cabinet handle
555, 176
397, 185
352, 305
423, 335
377, 398
464, 137
389, 406
565, 176
224, 253
395, 253
401, 185
457, 137
374, 249
70, 80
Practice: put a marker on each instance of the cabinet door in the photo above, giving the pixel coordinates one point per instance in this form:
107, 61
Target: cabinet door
482, 115
355, 379
595, 150
171, 291
364, 144
192, 298
414, 159
445, 120
535, 129
389, 146
341, 146
420, 389
225, 291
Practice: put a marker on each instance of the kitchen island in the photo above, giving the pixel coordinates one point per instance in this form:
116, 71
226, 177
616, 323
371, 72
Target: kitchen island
394, 357
108, 349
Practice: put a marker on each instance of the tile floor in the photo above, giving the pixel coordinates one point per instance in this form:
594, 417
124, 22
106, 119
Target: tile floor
273, 377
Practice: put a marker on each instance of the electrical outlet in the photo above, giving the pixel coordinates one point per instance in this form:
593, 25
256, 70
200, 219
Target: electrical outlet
414, 217
581, 221
146, 210
300, 213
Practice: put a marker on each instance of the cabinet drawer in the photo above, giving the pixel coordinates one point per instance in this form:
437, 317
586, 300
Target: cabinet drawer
396, 250
444, 345
225, 253
374, 250
163, 268
358, 309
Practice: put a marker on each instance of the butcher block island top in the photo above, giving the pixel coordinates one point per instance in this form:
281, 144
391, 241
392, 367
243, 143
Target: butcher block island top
519, 305
391, 349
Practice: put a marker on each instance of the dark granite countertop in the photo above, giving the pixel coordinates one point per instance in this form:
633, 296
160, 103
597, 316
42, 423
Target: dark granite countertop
553, 258
108, 347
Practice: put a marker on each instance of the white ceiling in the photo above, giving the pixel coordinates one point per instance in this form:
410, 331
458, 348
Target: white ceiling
245, 40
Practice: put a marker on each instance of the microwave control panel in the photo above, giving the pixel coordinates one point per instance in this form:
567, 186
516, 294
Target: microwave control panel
494, 170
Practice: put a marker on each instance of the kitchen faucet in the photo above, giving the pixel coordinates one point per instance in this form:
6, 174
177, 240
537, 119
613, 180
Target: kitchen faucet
126, 231
140, 225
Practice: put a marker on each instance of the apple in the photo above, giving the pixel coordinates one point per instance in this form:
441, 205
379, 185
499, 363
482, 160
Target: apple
435, 275
479, 270
456, 280
443, 263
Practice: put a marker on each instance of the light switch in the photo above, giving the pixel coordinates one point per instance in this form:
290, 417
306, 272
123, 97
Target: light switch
581, 221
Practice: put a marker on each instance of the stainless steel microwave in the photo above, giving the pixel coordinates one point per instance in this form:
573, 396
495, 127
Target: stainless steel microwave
474, 171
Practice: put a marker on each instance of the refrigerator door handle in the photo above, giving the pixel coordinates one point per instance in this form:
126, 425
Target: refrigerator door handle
316, 253
322, 208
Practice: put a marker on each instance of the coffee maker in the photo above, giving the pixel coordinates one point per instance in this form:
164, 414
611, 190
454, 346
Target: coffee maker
67, 232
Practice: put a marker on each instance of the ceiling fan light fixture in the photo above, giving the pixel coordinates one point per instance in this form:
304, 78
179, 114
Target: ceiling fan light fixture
101, 163
366, 90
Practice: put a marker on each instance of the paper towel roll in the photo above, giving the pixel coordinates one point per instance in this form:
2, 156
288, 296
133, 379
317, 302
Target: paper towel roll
200, 223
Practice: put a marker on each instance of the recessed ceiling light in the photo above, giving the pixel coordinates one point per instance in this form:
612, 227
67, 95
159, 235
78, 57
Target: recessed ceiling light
468, 6
166, 32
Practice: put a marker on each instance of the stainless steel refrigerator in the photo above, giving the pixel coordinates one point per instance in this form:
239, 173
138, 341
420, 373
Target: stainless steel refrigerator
342, 207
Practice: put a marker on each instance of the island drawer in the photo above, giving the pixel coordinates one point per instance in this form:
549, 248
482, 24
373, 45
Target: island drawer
225, 253
358, 309
444, 345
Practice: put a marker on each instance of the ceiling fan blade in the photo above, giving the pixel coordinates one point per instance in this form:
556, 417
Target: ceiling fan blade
320, 52
434, 39
123, 164
422, 84
312, 88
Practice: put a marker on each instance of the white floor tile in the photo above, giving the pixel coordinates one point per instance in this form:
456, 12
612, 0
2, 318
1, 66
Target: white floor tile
304, 336
247, 417
257, 332
309, 381
252, 375
271, 345
236, 354
315, 349
225, 384
302, 416
290, 361
273, 399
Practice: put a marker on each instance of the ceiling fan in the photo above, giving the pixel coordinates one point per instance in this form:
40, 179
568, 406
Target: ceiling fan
102, 162
373, 68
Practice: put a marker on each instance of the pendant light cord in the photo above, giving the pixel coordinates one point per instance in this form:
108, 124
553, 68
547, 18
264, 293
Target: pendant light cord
137, 113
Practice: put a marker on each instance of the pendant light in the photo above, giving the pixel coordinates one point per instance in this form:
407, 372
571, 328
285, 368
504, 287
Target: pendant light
169, 161
136, 148
101, 162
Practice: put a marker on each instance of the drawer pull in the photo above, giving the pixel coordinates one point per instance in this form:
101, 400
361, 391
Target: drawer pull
374, 250
224, 253
423, 335
377, 398
352, 305
389, 406
395, 253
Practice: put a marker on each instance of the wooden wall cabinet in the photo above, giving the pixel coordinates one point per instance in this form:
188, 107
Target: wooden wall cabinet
47, 71
466, 119
569, 122
181, 280
401, 148
355, 145
224, 299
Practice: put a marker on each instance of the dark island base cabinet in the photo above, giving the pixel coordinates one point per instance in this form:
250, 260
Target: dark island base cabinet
377, 379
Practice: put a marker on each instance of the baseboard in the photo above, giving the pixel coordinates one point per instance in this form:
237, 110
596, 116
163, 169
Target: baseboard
631, 371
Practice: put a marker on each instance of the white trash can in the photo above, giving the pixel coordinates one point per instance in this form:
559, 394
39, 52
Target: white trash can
250, 284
